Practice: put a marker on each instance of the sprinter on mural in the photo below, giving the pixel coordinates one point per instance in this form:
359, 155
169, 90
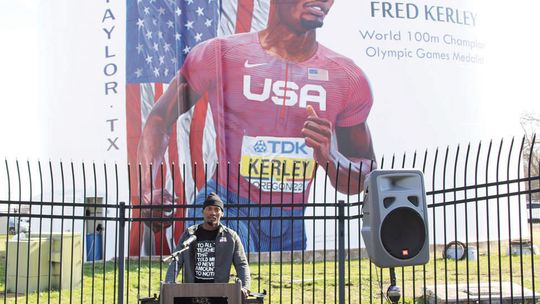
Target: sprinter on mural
280, 103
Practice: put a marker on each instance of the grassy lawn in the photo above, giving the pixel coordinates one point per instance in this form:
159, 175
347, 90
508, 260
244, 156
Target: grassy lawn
364, 282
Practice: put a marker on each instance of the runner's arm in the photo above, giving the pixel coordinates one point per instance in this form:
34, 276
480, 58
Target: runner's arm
178, 99
338, 149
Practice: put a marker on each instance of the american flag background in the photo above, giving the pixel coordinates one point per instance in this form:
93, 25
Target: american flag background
159, 36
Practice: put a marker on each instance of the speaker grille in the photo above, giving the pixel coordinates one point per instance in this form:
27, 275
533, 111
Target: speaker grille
403, 233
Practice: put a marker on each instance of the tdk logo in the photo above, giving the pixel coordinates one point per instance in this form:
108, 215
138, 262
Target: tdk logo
287, 92
281, 147
259, 146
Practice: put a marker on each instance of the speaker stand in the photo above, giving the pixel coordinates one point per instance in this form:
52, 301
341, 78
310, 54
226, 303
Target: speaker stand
393, 292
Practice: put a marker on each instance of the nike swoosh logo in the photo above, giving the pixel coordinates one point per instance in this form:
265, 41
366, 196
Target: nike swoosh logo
252, 65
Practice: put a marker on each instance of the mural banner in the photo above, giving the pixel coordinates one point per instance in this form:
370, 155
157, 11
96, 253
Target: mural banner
272, 92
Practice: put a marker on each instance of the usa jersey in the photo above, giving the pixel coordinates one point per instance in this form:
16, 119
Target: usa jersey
258, 102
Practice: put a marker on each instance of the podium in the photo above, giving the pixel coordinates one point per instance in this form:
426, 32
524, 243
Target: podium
187, 293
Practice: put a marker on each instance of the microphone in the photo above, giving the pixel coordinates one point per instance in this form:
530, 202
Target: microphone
190, 240
185, 246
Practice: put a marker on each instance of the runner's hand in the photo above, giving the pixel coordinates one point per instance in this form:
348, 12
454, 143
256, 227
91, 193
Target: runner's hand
165, 213
317, 132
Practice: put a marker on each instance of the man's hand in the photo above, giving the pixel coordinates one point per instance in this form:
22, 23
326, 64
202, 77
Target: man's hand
245, 292
158, 198
318, 135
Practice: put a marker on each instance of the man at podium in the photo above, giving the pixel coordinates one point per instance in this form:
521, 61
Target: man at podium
210, 249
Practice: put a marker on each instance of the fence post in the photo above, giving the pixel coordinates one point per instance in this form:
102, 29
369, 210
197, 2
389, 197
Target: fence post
121, 227
341, 250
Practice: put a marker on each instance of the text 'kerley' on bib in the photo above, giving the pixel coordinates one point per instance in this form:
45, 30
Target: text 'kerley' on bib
277, 163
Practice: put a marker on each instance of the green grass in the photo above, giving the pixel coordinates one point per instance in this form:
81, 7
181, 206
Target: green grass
283, 281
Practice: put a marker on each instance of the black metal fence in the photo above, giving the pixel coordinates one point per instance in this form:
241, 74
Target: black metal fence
67, 237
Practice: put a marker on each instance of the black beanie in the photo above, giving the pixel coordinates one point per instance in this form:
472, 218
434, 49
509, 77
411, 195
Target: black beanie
213, 200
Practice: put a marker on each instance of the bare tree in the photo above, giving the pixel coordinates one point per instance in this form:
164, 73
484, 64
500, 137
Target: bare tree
530, 123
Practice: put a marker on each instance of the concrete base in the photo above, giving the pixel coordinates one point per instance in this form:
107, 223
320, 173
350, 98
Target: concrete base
499, 292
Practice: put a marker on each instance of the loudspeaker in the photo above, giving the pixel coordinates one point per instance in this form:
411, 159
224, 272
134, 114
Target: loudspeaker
394, 222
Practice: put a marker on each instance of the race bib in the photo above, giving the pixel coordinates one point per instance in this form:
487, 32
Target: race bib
277, 163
